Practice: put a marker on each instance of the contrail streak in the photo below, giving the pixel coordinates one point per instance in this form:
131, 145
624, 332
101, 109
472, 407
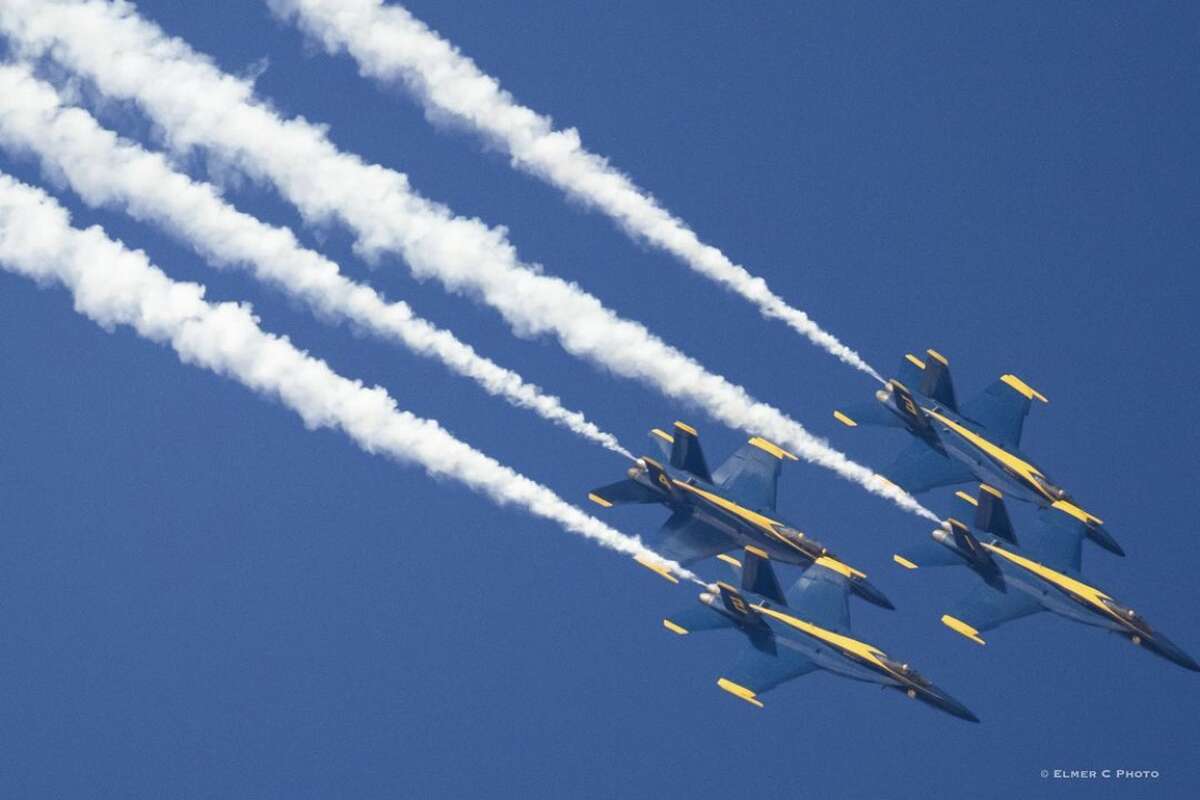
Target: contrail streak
197, 105
114, 286
389, 44
106, 170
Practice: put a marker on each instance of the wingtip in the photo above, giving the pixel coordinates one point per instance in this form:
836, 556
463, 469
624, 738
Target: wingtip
657, 569
740, 692
598, 500
963, 629
844, 419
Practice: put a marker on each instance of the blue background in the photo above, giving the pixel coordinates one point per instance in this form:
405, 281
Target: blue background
199, 598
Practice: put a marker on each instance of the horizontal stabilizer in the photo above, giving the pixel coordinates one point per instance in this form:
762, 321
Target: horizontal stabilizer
623, 493
696, 618
872, 412
927, 554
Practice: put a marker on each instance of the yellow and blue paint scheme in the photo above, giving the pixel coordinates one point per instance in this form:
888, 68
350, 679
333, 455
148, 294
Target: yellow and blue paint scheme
1041, 571
977, 441
730, 507
793, 633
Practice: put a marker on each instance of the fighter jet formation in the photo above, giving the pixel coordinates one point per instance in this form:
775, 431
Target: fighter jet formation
727, 515
716, 514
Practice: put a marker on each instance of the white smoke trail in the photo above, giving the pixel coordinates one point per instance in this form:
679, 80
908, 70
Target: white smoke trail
197, 105
389, 44
116, 286
106, 170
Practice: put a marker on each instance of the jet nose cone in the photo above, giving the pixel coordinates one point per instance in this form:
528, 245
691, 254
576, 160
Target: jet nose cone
1162, 646
868, 591
1100, 535
944, 702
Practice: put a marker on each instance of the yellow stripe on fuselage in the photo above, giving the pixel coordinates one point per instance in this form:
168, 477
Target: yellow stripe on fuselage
1077, 512
765, 524
1073, 587
753, 517
844, 643
1017, 465
839, 567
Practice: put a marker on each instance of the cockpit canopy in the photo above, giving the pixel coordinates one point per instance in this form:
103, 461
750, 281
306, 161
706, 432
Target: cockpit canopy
1051, 489
907, 671
1127, 614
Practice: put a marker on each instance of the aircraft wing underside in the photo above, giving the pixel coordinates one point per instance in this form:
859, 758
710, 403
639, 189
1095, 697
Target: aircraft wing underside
761, 671
687, 540
1059, 542
920, 468
820, 597
985, 608
1001, 410
750, 476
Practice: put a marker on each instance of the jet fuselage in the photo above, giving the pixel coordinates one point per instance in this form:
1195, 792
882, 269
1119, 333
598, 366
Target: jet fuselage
839, 653
1068, 596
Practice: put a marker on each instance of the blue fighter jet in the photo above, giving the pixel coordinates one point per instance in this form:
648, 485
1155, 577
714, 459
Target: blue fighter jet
976, 441
794, 633
1042, 574
712, 513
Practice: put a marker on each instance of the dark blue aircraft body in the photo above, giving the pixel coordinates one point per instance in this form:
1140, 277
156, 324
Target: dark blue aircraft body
1042, 572
977, 441
713, 513
796, 633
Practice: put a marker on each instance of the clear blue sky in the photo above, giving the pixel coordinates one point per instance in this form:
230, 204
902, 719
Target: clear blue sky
199, 598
